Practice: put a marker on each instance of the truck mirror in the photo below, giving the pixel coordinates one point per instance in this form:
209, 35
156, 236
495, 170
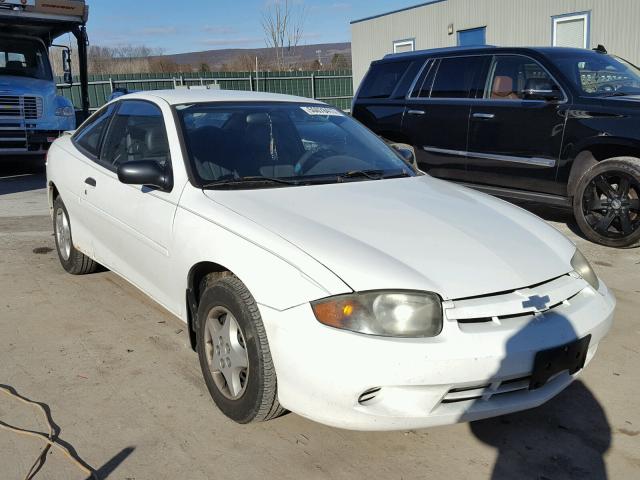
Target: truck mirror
66, 66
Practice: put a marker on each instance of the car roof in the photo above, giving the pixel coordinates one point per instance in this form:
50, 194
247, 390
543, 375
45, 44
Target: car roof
182, 96
488, 49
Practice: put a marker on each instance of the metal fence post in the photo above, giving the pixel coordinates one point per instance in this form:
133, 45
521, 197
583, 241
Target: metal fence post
181, 80
111, 83
250, 82
313, 86
175, 83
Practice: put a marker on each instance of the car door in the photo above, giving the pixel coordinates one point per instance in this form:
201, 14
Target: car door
437, 113
515, 141
133, 224
79, 168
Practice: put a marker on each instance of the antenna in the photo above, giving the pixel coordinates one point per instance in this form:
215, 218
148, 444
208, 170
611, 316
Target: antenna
600, 49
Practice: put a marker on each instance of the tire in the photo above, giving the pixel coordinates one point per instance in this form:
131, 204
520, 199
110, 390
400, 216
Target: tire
72, 260
606, 202
225, 300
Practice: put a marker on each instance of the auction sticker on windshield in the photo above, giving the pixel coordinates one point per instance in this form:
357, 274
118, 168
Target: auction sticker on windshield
323, 111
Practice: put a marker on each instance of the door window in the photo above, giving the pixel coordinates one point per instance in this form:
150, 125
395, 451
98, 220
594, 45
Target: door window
88, 137
458, 77
137, 132
512, 75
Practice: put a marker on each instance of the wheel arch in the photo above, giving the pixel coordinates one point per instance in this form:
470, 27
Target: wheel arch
52, 193
590, 154
196, 274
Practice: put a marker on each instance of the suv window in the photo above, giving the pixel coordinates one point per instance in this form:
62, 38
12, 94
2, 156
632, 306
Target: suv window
458, 77
90, 133
511, 75
137, 132
425, 82
383, 79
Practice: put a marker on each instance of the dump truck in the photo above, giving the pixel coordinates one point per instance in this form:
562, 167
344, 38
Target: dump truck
32, 113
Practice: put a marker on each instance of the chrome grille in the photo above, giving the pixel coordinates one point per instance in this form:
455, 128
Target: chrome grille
14, 106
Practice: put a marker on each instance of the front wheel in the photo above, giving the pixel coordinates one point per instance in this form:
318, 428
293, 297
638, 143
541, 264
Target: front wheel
607, 202
71, 259
234, 352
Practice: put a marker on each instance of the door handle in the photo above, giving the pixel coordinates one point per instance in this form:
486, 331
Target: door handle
90, 181
484, 116
416, 112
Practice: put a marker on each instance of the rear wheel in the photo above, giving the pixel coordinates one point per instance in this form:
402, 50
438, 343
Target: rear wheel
607, 202
72, 260
234, 352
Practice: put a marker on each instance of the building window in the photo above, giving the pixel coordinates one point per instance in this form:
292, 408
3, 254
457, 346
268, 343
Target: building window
401, 46
571, 30
472, 36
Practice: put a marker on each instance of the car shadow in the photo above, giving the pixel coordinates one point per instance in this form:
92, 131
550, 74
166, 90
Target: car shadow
22, 175
565, 438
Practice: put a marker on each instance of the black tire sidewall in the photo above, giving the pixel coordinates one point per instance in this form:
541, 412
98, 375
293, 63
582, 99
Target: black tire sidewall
246, 408
630, 166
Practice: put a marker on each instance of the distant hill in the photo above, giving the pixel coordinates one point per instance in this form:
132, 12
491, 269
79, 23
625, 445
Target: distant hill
217, 59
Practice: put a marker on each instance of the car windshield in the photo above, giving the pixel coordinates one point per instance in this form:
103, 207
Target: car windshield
599, 75
279, 144
24, 58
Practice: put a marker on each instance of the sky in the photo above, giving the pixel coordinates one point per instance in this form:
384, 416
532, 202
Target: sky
195, 25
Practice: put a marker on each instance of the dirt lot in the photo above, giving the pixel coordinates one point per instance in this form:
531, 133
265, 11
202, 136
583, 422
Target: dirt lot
125, 390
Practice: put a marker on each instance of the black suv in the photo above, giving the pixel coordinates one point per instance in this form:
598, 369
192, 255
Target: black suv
552, 125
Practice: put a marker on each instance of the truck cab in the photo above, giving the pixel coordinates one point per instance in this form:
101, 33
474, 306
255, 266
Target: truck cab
32, 114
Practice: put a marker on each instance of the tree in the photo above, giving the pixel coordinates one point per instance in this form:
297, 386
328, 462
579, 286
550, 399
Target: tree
283, 26
204, 67
340, 62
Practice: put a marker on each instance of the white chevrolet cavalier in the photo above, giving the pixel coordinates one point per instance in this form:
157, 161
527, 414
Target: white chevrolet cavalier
317, 270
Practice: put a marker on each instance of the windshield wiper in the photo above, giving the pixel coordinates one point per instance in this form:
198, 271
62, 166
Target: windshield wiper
617, 94
370, 174
224, 182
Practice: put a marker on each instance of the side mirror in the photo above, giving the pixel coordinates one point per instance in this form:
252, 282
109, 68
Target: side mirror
405, 152
66, 66
547, 95
148, 173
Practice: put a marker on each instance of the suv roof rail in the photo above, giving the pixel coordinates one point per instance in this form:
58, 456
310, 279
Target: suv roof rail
439, 50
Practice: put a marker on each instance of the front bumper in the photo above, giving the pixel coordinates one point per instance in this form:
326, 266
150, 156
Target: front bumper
470, 371
17, 141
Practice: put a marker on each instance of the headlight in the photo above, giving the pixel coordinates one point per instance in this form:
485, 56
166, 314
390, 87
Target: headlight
65, 112
389, 314
583, 268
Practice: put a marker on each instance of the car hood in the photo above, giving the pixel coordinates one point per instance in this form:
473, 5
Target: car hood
410, 233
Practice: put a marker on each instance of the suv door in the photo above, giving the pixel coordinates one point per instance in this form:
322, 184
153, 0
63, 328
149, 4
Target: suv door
134, 223
437, 113
515, 141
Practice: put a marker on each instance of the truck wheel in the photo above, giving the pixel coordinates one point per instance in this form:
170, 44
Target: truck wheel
234, 352
607, 202
72, 260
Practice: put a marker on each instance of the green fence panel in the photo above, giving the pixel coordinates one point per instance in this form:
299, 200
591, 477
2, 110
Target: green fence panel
333, 87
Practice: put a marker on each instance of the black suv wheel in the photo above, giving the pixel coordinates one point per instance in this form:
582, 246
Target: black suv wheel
607, 202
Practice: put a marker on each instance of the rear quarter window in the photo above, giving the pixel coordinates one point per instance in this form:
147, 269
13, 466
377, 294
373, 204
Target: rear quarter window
458, 77
382, 79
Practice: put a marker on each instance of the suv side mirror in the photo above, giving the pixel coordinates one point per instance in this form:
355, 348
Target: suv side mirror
545, 95
148, 173
541, 89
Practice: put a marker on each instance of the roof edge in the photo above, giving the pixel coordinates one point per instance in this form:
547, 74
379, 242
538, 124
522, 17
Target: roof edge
373, 17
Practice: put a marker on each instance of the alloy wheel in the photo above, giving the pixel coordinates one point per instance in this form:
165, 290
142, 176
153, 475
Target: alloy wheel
63, 234
611, 204
226, 353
